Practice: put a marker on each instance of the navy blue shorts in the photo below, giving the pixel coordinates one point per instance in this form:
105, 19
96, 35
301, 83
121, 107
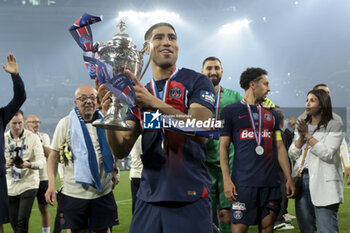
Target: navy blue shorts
255, 203
172, 217
4, 201
43, 185
95, 214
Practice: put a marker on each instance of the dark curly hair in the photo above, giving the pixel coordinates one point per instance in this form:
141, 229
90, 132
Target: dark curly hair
251, 74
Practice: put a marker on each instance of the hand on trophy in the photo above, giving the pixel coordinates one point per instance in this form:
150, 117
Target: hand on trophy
104, 96
143, 97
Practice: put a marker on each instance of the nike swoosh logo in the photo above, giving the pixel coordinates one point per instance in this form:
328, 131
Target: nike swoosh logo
240, 117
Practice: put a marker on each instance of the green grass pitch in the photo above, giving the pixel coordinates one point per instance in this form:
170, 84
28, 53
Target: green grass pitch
122, 195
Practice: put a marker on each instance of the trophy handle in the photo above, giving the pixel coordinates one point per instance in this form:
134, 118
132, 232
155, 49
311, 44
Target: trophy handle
149, 43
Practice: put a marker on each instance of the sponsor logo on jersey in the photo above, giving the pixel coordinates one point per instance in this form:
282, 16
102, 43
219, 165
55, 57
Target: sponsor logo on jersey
238, 206
249, 134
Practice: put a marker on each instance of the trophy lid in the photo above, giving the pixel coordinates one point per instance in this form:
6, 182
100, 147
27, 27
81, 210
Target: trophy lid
122, 38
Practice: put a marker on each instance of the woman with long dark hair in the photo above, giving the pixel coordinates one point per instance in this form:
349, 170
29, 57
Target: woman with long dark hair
316, 152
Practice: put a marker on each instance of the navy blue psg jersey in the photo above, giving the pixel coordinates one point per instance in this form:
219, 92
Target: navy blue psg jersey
180, 174
249, 168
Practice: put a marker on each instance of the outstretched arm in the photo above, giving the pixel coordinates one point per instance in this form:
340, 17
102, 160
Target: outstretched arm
18, 89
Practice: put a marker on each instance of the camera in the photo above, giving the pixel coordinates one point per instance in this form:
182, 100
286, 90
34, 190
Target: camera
18, 161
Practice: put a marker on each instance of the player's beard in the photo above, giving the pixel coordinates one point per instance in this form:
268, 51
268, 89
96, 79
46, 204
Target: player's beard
215, 80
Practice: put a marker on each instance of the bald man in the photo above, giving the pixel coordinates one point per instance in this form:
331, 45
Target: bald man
33, 124
87, 201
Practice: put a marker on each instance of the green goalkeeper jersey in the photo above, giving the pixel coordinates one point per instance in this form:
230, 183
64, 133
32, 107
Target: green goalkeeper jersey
226, 97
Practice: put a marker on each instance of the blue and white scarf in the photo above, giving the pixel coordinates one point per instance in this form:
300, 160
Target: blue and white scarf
85, 161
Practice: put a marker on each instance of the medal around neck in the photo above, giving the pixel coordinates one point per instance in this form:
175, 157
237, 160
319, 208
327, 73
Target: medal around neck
107, 63
259, 150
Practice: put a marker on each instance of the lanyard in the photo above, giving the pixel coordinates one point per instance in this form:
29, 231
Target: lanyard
153, 86
259, 133
217, 104
20, 155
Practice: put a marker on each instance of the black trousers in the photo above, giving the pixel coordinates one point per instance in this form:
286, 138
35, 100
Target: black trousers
20, 209
135, 185
284, 201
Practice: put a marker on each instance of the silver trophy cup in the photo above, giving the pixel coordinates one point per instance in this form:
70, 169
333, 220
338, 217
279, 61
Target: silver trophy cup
121, 54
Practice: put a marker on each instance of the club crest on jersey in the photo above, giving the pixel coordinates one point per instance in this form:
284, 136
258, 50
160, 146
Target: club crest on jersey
267, 117
238, 206
207, 96
85, 39
175, 92
238, 214
249, 134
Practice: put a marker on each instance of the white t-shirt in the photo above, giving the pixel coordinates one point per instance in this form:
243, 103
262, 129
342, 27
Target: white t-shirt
70, 187
311, 129
33, 152
45, 140
136, 163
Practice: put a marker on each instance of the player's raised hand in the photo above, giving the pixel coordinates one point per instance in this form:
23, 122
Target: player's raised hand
11, 66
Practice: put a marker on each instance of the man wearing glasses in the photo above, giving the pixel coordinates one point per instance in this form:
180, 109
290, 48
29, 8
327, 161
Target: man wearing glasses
87, 201
33, 124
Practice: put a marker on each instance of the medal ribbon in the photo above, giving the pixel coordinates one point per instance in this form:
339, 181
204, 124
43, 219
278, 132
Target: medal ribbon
217, 104
258, 134
153, 86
